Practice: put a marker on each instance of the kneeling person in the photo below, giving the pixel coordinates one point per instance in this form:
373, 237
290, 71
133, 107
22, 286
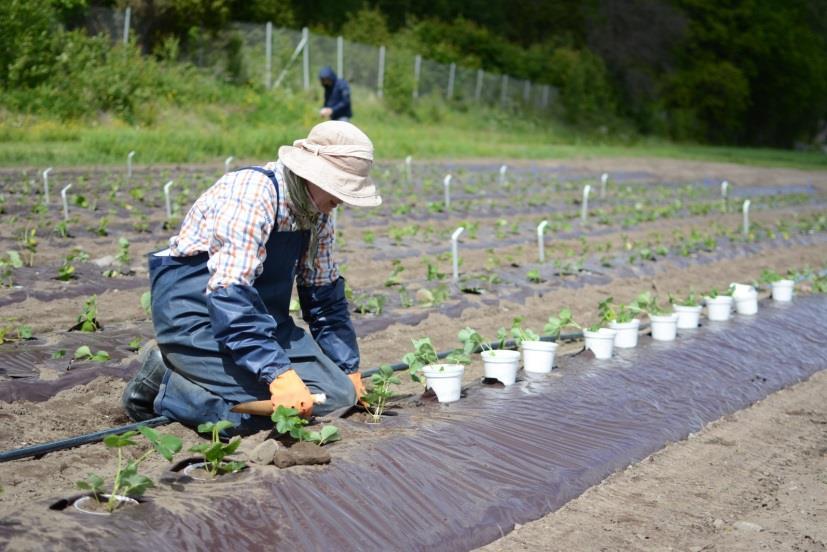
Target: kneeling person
221, 291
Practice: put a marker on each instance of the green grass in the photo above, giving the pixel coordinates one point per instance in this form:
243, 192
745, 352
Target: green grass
250, 126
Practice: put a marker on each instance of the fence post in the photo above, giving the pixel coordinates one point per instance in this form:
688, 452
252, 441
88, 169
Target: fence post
478, 89
126, 17
340, 56
451, 75
46, 185
268, 55
306, 58
65, 201
417, 69
541, 248
503, 89
380, 80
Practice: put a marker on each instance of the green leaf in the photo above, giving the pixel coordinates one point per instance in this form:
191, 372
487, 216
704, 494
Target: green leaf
232, 446
25, 332
120, 440
83, 352
135, 484
200, 448
206, 427
146, 302
221, 425
329, 433
232, 467
60, 353
100, 356
166, 445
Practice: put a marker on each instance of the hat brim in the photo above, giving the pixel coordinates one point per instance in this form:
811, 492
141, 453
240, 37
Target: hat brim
321, 173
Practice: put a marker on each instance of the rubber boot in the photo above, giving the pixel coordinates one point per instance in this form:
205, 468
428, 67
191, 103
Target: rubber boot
140, 392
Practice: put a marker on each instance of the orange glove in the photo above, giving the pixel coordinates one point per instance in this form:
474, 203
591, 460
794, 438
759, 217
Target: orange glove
356, 380
289, 390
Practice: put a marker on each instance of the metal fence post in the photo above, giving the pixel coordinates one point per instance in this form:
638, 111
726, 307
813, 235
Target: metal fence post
340, 56
478, 88
380, 80
126, 17
306, 58
503, 89
417, 69
268, 55
451, 75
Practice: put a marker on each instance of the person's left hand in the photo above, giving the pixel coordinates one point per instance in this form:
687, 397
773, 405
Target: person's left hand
326, 112
356, 380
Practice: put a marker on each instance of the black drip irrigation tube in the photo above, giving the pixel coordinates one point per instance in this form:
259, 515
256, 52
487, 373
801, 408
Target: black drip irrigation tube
71, 442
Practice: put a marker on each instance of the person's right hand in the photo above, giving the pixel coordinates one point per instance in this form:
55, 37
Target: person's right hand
289, 390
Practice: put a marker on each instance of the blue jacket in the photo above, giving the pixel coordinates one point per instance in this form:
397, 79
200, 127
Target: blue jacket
337, 95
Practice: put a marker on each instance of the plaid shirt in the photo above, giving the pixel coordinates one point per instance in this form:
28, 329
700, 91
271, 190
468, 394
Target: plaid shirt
232, 221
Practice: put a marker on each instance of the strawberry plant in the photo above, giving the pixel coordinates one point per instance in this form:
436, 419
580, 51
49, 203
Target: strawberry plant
127, 480
380, 392
87, 319
533, 276
769, 276
8, 263
425, 354
28, 240
393, 279
556, 324
613, 312
215, 451
9, 334
85, 353
288, 422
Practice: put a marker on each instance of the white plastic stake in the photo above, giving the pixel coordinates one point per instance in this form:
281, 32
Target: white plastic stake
417, 71
268, 55
340, 56
408, 169
129, 157
503, 170
725, 194
126, 17
65, 201
604, 178
584, 208
455, 251
380, 79
541, 246
46, 184
227, 163
746, 217
447, 184
166, 199
306, 58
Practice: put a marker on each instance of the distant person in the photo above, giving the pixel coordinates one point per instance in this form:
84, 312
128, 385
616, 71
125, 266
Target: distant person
336, 96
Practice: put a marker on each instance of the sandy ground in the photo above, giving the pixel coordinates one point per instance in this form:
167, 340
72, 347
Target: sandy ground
754, 480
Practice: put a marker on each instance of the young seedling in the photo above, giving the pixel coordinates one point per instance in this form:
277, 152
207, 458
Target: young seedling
87, 320
28, 240
713, 293
127, 481
10, 334
690, 300
518, 334
10, 261
769, 276
556, 324
613, 312
380, 392
85, 353
393, 279
425, 354
288, 422
215, 451
146, 303
534, 277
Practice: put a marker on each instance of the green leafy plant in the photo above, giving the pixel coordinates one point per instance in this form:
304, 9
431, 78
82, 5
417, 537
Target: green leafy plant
85, 353
127, 480
146, 303
368, 236
66, 272
769, 276
393, 279
613, 312
87, 319
647, 303
376, 398
520, 334
215, 451
533, 276
425, 354
713, 293
689, 300
556, 324
368, 303
123, 252
15, 333
433, 272
288, 422
8, 262
134, 344
28, 240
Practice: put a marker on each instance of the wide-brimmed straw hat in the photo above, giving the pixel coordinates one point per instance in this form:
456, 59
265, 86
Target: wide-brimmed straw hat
337, 157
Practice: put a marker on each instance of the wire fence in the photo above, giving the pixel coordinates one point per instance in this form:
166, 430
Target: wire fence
280, 58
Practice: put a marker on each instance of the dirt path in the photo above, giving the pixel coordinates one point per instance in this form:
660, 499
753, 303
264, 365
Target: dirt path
754, 480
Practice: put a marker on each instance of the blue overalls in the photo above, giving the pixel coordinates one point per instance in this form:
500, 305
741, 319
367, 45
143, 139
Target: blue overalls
202, 382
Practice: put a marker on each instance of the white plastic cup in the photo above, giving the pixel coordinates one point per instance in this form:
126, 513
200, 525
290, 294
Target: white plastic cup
782, 290
688, 317
664, 328
626, 337
718, 309
747, 305
538, 356
81, 503
601, 342
445, 380
501, 365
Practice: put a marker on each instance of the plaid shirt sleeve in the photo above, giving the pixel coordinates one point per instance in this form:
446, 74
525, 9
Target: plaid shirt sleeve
323, 269
242, 214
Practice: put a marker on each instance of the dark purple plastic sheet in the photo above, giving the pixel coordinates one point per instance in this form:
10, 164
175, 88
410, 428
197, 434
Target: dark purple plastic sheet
458, 476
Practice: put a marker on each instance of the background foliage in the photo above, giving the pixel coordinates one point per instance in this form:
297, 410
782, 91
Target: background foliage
751, 72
